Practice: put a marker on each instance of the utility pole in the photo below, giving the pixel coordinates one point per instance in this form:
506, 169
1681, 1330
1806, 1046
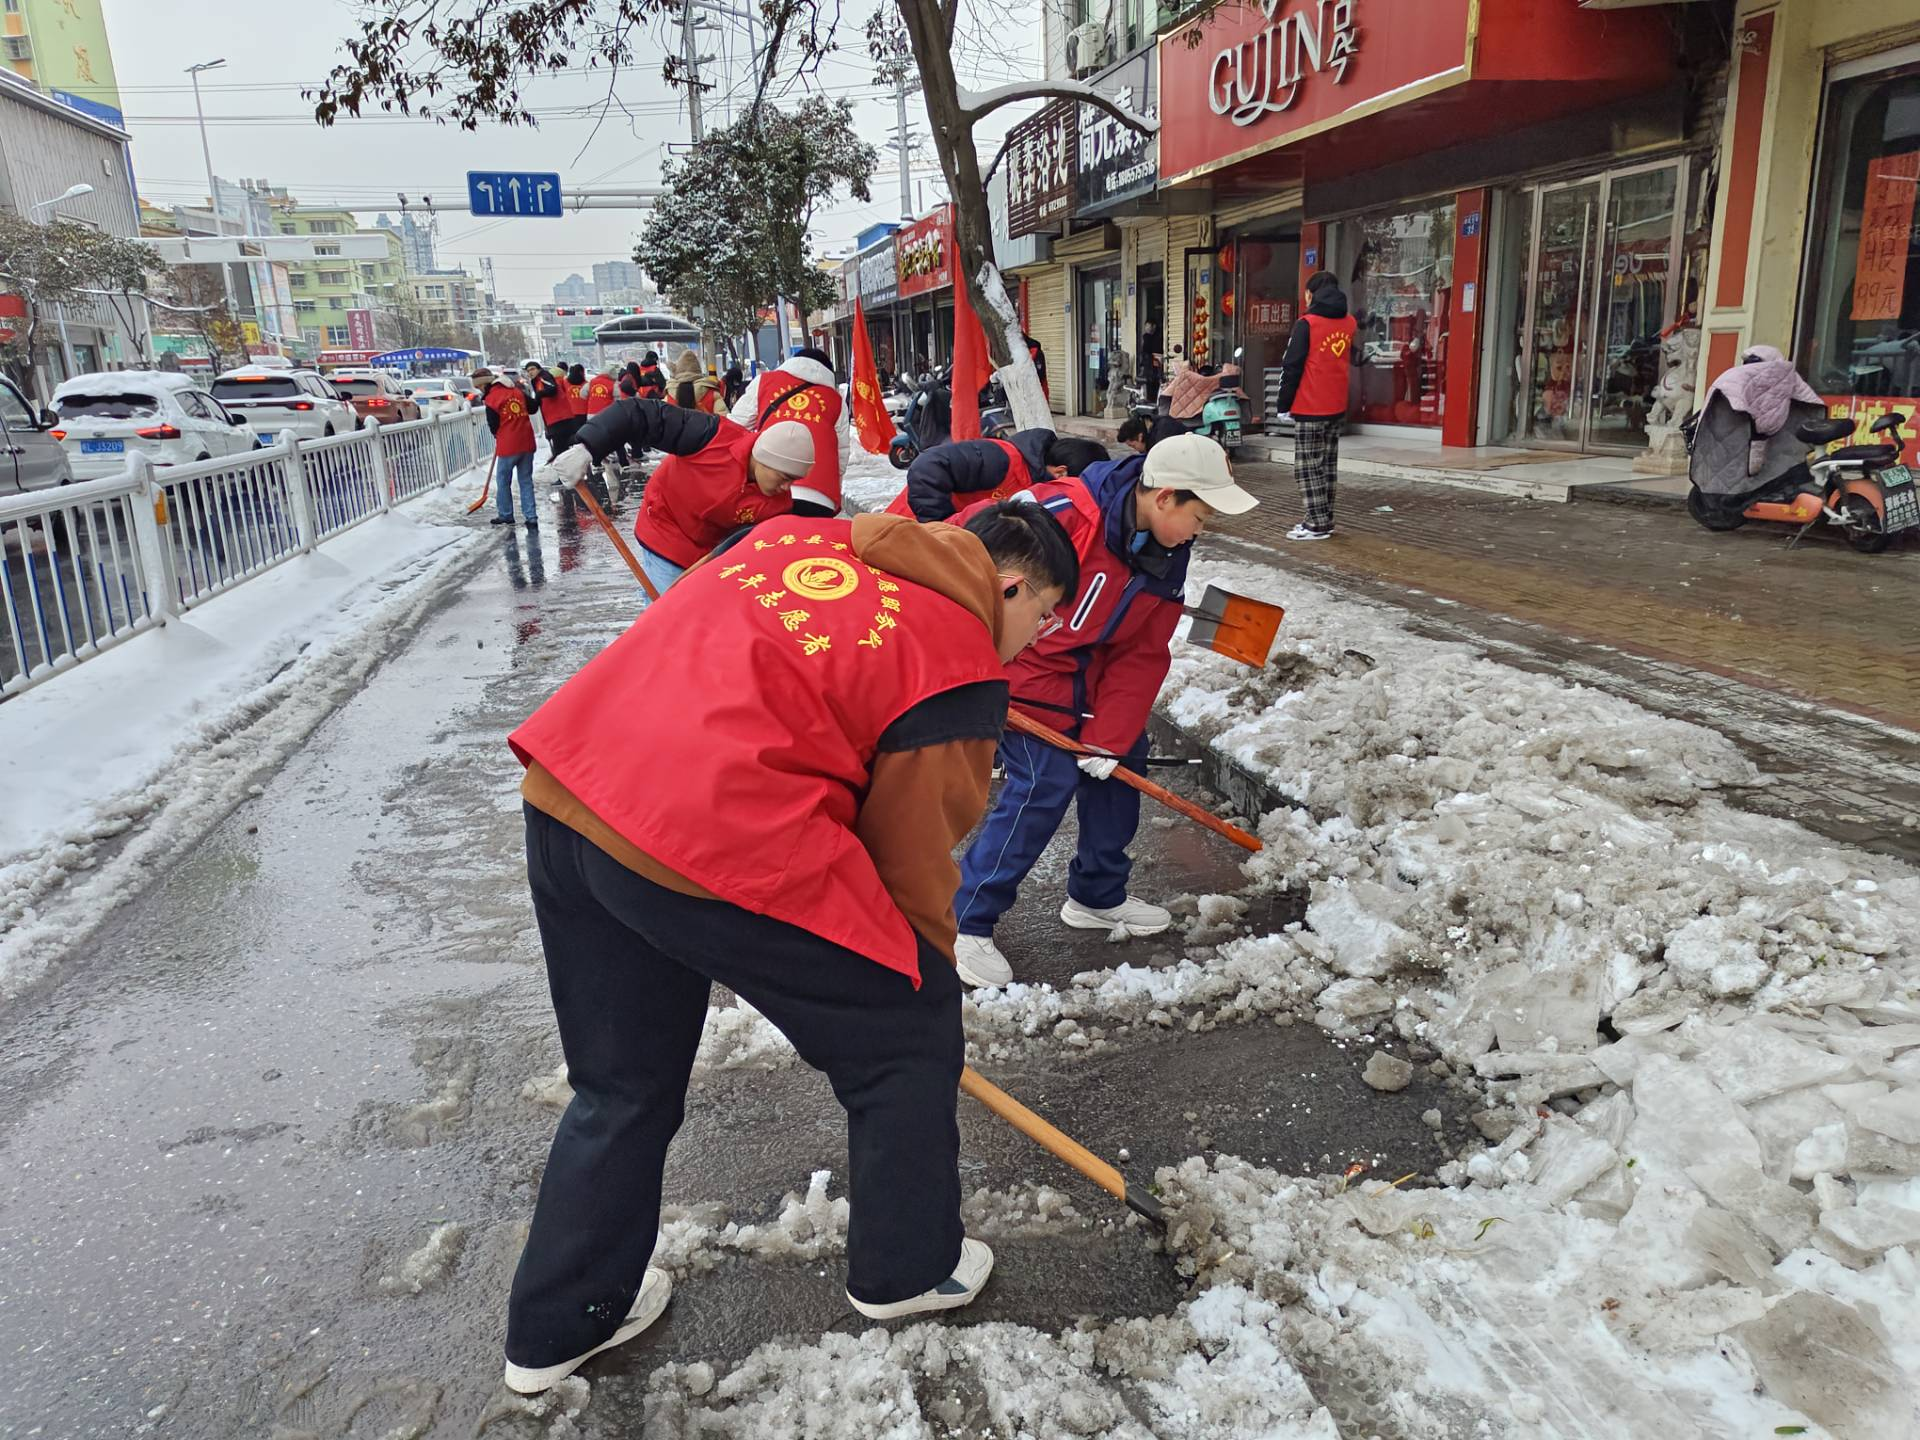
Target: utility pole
900, 141
690, 60
213, 188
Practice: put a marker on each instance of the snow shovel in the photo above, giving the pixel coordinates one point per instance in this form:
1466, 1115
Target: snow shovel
619, 542
1026, 726
1060, 1145
1234, 626
486, 484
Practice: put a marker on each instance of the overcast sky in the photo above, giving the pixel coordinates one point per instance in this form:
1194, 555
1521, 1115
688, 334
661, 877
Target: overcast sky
259, 128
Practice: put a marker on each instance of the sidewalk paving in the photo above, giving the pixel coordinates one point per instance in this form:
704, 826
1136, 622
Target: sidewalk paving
1809, 658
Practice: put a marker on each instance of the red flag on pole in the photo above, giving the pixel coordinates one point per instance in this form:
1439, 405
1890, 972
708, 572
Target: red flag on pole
870, 417
972, 363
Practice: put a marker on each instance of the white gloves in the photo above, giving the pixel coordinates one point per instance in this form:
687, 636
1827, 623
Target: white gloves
567, 471
1100, 767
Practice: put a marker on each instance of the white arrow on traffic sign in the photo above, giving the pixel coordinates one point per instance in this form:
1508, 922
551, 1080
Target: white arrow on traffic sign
541, 192
513, 184
492, 202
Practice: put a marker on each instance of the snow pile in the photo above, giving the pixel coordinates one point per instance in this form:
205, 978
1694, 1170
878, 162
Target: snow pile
870, 482
116, 766
429, 1266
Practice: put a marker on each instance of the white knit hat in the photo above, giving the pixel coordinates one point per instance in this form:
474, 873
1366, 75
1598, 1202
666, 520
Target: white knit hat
786, 446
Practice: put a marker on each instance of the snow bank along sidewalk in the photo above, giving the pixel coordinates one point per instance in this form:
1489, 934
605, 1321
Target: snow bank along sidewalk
111, 768
1697, 1209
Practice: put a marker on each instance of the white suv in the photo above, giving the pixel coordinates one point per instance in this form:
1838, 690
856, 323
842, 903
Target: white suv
280, 404
106, 418
439, 396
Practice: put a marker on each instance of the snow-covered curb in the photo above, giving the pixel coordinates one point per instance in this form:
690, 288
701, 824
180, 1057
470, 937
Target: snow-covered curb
116, 766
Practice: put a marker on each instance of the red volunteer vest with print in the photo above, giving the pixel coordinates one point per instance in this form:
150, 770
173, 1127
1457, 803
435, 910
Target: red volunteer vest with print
730, 732
818, 408
515, 435
1018, 479
693, 502
600, 393
1323, 385
557, 408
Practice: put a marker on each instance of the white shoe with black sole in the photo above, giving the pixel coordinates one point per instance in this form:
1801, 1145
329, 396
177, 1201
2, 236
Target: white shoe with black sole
655, 1291
962, 1287
980, 962
1138, 916
1307, 532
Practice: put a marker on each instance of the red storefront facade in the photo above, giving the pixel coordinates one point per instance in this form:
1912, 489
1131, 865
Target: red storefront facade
1509, 190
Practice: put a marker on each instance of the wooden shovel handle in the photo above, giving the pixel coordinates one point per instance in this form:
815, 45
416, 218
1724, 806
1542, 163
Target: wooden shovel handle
1048, 1137
1029, 726
619, 541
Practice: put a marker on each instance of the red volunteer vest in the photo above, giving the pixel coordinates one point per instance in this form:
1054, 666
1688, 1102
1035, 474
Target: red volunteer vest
577, 395
515, 435
730, 732
818, 408
557, 408
600, 393
1018, 479
693, 502
1323, 385
709, 401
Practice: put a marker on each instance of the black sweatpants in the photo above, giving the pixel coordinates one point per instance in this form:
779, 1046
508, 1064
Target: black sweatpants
630, 964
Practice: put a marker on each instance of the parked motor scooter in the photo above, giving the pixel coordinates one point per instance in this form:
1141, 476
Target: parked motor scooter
1223, 417
928, 419
1862, 489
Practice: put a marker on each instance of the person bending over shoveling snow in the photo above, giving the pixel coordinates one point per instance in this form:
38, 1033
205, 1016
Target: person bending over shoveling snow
1093, 674
945, 480
803, 730
717, 476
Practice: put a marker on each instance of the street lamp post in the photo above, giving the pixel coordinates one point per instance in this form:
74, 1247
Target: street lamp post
72, 192
213, 189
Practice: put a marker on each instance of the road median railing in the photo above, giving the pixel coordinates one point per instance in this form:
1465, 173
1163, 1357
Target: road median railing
84, 566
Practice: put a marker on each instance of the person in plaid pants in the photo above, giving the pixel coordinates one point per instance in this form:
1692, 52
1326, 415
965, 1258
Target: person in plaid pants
1313, 388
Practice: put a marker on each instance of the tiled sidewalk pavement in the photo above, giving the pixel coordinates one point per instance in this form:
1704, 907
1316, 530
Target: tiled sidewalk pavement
1809, 658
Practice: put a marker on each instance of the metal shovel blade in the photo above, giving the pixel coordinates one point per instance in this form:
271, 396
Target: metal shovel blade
1234, 626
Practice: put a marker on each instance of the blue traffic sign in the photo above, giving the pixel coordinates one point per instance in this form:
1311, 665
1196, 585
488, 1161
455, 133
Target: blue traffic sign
532, 194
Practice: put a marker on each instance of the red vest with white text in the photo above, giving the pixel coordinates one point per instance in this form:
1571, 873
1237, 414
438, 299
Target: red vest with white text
730, 732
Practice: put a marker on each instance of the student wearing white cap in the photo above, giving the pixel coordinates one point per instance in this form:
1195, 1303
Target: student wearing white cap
1093, 674
716, 478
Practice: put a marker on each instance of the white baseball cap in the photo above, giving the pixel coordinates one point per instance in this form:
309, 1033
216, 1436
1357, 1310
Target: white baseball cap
1193, 462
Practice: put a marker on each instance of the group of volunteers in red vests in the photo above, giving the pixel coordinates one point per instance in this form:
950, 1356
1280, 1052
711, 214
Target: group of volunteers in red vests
762, 784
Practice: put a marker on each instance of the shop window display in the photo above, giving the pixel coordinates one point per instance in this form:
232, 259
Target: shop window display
1397, 270
1860, 332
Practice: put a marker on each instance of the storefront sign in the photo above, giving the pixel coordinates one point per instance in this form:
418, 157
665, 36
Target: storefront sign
1275, 71
925, 250
1115, 162
1269, 317
360, 329
1886, 230
879, 281
1865, 409
1040, 170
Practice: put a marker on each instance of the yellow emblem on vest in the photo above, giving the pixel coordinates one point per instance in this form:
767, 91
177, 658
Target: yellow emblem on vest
820, 578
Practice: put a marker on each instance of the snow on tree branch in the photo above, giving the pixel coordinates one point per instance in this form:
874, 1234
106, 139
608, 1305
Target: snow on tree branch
976, 105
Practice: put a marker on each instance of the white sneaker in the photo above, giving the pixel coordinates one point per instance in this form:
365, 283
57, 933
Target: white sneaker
1137, 915
655, 1290
962, 1287
980, 962
1304, 531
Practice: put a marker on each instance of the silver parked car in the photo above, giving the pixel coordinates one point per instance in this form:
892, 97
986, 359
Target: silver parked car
30, 457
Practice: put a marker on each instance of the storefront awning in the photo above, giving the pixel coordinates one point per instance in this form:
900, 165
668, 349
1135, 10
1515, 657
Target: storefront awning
1312, 89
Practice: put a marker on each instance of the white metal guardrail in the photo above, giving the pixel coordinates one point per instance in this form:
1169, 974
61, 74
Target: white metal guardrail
84, 566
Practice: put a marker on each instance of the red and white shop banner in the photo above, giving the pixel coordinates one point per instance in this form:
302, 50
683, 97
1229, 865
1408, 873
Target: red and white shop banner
1865, 409
924, 253
1269, 72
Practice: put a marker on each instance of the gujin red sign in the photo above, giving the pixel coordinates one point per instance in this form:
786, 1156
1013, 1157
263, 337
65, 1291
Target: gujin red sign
1277, 70
924, 253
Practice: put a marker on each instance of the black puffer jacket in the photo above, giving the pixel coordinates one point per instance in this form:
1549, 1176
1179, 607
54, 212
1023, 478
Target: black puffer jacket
963, 467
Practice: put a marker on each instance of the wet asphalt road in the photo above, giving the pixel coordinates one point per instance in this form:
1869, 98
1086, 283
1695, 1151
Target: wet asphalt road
268, 1078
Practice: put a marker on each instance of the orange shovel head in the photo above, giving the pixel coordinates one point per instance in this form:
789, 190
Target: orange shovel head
1234, 626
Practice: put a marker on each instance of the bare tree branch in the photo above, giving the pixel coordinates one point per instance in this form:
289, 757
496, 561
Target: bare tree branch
977, 105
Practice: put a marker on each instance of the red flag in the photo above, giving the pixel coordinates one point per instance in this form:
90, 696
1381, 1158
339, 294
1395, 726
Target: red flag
870, 417
972, 363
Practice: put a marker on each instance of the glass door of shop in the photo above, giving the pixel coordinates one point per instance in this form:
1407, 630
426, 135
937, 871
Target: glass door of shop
1598, 270
1100, 313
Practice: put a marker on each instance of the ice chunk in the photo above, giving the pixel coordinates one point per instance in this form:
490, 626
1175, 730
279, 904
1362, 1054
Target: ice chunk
1896, 1115
1732, 1249
1682, 1118
1781, 1213
1714, 953
1620, 1061
1553, 1012
1610, 1197
1782, 1122
1751, 1061
1823, 1152
1872, 1227
1566, 1160
1649, 1010
1820, 1357
1355, 998
1870, 1152
1561, 1074
1357, 922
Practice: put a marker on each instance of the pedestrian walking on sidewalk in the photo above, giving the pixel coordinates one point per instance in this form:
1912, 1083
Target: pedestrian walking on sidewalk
512, 426
759, 785
716, 478
1314, 376
1093, 674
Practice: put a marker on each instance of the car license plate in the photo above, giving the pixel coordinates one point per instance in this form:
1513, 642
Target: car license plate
103, 447
266, 437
